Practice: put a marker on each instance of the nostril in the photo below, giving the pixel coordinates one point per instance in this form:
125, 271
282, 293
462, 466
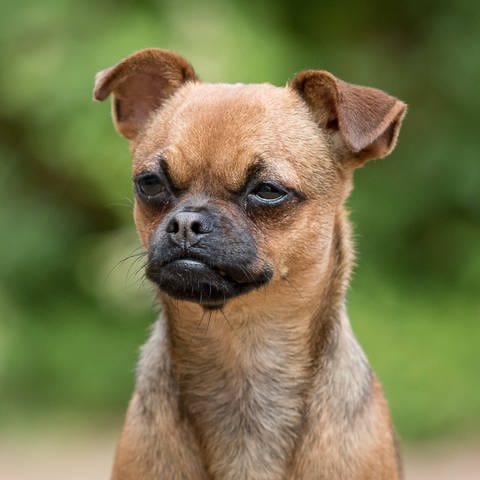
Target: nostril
196, 227
173, 226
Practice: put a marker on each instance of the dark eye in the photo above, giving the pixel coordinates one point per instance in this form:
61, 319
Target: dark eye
268, 193
149, 185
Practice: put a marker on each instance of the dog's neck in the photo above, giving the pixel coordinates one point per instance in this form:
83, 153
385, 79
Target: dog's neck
252, 370
306, 311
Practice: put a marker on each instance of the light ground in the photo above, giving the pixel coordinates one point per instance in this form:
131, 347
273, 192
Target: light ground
56, 457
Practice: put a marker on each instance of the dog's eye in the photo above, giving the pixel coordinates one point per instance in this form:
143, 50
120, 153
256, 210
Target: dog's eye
269, 193
149, 185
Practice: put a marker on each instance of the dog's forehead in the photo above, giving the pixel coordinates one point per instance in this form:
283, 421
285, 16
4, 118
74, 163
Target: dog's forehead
213, 133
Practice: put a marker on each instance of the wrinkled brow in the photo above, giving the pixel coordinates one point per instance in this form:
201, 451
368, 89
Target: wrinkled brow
254, 170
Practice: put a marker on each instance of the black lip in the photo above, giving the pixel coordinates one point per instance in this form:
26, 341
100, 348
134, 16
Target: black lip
210, 286
191, 264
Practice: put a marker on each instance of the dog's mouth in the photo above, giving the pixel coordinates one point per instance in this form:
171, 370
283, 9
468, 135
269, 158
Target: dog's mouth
209, 285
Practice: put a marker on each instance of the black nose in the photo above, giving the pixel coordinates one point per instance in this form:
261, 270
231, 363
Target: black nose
186, 228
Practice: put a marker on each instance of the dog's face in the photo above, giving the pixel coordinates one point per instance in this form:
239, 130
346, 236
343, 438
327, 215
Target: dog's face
227, 180
238, 186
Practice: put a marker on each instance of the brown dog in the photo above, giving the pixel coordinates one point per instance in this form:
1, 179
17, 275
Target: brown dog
252, 371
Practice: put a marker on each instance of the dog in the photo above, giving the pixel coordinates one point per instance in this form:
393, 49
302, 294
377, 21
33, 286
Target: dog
252, 370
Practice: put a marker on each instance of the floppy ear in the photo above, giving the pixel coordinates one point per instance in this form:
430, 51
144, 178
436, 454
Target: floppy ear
367, 119
140, 84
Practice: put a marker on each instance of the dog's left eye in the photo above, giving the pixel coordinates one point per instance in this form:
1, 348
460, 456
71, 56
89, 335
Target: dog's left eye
149, 185
268, 193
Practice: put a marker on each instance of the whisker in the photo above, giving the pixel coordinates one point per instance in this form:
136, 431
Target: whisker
123, 260
226, 319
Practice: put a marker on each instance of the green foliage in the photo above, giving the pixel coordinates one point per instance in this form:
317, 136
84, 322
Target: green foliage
71, 319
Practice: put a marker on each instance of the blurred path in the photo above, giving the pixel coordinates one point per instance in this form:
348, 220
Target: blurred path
56, 458
448, 461
60, 458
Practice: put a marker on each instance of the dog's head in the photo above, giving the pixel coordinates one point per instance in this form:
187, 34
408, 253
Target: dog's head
238, 186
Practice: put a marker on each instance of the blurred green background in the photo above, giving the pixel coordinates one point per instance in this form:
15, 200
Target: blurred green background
73, 314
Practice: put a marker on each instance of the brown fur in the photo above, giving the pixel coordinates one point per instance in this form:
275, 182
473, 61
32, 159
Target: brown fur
273, 386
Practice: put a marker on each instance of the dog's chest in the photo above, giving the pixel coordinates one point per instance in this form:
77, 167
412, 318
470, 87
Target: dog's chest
246, 403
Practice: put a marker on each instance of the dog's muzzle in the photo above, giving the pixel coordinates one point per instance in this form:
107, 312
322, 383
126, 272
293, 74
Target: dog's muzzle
203, 258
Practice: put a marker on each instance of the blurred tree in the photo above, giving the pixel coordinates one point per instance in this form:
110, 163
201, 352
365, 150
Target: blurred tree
70, 320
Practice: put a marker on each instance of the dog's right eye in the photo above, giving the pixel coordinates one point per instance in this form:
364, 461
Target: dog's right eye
268, 193
149, 185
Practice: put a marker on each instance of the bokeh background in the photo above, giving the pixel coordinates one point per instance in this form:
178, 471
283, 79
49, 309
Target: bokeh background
74, 310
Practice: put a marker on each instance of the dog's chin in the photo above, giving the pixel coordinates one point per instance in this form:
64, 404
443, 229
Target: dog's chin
209, 286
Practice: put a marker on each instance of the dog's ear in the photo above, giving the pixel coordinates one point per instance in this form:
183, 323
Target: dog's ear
140, 84
368, 120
